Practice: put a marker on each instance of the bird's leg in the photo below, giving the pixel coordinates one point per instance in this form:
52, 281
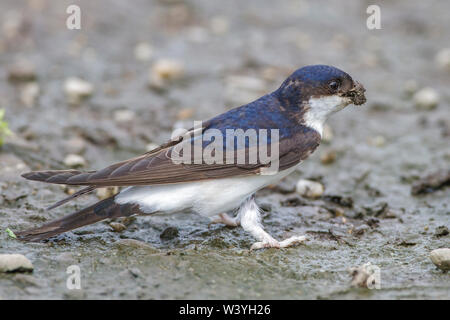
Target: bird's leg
226, 220
251, 222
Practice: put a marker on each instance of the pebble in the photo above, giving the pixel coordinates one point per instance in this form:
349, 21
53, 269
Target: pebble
29, 94
77, 89
441, 231
328, 157
22, 71
15, 263
426, 99
74, 160
443, 59
362, 277
441, 258
169, 233
143, 52
309, 189
103, 193
124, 116
164, 71
117, 226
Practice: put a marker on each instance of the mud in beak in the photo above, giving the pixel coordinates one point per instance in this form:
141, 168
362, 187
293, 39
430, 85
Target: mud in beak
356, 94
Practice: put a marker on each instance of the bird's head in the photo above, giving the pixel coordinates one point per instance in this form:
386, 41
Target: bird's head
319, 91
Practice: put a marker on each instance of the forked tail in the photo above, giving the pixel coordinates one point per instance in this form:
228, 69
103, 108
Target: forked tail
104, 209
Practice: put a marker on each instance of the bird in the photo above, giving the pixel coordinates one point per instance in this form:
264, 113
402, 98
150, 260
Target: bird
158, 182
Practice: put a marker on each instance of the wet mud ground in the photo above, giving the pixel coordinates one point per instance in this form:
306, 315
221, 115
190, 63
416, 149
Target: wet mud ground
232, 53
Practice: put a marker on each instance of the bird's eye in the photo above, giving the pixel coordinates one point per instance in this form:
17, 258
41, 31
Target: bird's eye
334, 85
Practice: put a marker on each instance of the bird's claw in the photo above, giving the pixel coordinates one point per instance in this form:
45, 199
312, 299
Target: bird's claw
272, 243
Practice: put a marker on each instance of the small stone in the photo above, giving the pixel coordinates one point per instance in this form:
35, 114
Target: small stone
441, 231
441, 258
364, 276
77, 90
443, 59
124, 116
426, 99
15, 263
22, 71
309, 189
117, 226
74, 160
143, 51
169, 233
103, 193
328, 157
165, 71
29, 94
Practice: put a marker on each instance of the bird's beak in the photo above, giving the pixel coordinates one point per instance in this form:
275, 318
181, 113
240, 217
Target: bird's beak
356, 94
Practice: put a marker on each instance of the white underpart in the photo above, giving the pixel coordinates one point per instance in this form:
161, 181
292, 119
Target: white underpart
321, 108
208, 198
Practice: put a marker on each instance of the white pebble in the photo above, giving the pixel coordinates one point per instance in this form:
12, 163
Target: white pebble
74, 160
309, 188
77, 89
143, 51
15, 263
443, 59
441, 258
123, 116
426, 99
164, 71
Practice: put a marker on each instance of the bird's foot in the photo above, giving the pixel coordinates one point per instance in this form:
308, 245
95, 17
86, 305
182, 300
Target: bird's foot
226, 220
272, 243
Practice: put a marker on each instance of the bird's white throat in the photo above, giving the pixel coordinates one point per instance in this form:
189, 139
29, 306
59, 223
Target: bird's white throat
321, 108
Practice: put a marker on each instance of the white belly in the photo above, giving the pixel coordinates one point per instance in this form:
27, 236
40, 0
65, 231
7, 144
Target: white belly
208, 198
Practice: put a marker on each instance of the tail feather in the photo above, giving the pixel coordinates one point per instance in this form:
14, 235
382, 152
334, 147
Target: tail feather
71, 197
104, 209
54, 176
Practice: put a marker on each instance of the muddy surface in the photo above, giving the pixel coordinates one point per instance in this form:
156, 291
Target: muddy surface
231, 54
